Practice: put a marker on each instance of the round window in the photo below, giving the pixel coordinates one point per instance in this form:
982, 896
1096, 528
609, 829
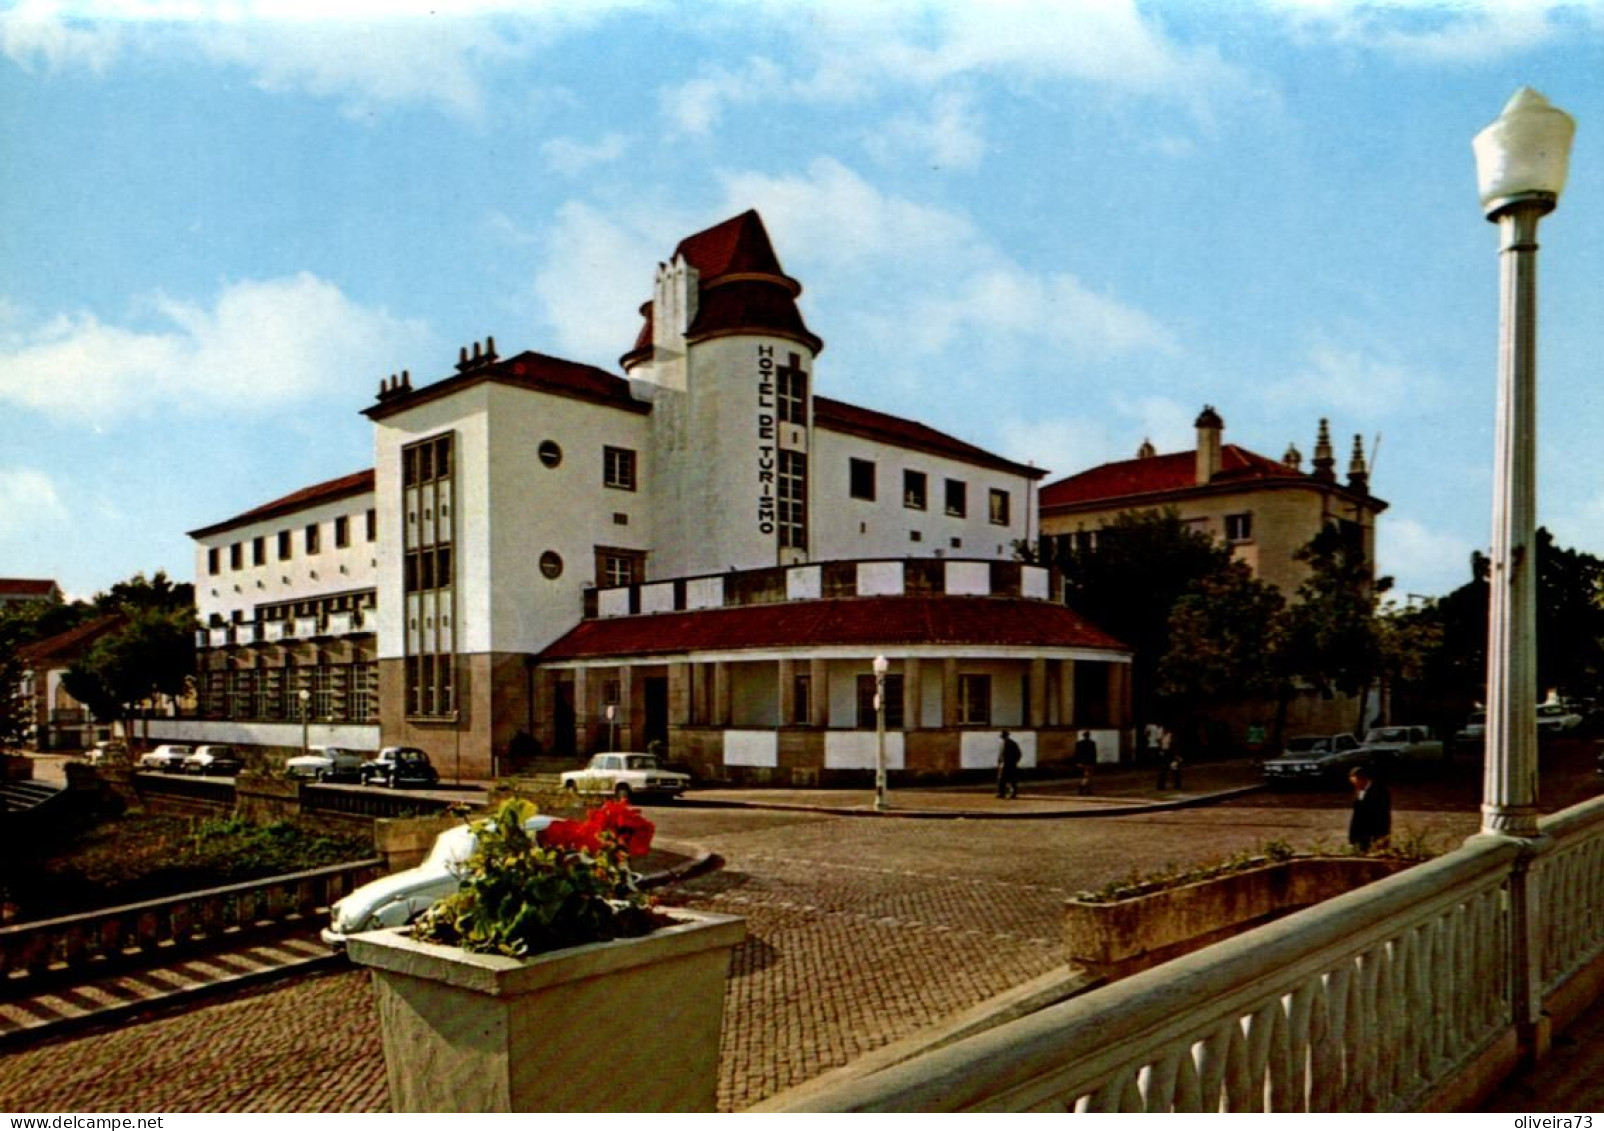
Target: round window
551, 453
551, 564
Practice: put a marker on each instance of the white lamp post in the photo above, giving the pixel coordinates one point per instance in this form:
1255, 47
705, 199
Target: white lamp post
881, 664
306, 719
612, 741
1521, 162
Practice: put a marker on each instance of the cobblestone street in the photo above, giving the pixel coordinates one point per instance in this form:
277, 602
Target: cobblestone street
861, 932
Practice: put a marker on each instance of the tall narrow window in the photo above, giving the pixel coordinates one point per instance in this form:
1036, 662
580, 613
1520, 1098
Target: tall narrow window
913, 490
791, 392
258, 550
998, 509
373, 525
342, 532
802, 699
285, 550
974, 700
312, 539
427, 577
860, 479
213, 566
866, 713
793, 499
957, 498
236, 555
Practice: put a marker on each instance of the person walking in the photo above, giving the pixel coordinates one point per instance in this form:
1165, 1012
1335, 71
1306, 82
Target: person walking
1008, 757
1086, 759
1371, 823
1169, 760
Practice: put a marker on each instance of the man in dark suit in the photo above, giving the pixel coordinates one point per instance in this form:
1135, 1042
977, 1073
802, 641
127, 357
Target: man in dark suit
1371, 822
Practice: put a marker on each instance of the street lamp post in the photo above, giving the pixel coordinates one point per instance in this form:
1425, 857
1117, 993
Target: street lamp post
1521, 162
881, 664
305, 697
612, 740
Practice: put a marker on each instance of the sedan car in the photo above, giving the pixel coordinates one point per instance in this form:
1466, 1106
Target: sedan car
1316, 757
1556, 719
212, 759
326, 763
626, 775
399, 767
396, 900
169, 756
1402, 744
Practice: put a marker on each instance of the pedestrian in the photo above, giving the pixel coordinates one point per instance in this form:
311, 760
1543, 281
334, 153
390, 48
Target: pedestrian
1150, 740
1008, 757
1371, 822
1169, 760
1086, 759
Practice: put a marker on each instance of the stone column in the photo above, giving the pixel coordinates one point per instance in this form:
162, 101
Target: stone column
722, 691
949, 694
1038, 694
582, 711
913, 695
818, 693
785, 691
1066, 693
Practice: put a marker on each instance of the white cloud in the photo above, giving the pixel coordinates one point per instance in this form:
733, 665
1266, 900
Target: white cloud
571, 157
34, 32
29, 502
1420, 559
1349, 380
262, 344
695, 107
596, 270
1436, 32
1063, 445
949, 137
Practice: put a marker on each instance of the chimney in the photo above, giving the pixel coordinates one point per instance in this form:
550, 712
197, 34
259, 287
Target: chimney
1324, 462
1358, 473
1293, 460
1146, 451
1209, 426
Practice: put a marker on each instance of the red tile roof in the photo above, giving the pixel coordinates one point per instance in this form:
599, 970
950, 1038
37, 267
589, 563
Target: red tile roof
27, 587
867, 622
838, 416
1159, 475
527, 370
737, 246
358, 483
74, 644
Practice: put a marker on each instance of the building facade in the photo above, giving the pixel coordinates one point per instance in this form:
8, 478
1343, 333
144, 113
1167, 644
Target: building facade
699, 551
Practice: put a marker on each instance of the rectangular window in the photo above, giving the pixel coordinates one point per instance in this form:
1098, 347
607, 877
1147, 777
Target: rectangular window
860, 476
342, 532
236, 555
618, 468
284, 549
428, 571
258, 551
802, 695
617, 569
373, 525
913, 490
974, 700
213, 563
1239, 527
791, 392
998, 510
312, 538
957, 498
866, 713
793, 497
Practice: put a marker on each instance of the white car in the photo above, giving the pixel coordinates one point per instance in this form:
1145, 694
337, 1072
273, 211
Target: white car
626, 775
1315, 757
396, 900
213, 759
168, 756
326, 763
1556, 719
1402, 744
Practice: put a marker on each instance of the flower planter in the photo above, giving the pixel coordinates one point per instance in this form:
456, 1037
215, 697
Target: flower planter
628, 1025
1119, 938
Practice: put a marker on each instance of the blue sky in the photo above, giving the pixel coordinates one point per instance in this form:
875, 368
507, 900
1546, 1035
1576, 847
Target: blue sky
1053, 229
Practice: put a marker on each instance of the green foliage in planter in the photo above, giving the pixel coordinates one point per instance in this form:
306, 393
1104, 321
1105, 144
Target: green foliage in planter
568, 884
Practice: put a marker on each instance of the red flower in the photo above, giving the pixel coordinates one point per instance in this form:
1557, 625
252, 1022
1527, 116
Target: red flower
612, 823
569, 836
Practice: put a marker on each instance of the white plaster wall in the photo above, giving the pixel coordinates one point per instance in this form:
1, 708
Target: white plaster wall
751, 748
331, 570
657, 598
1034, 583
968, 579
978, 749
856, 750
804, 583
754, 695
880, 579
704, 593
264, 734
844, 527
615, 602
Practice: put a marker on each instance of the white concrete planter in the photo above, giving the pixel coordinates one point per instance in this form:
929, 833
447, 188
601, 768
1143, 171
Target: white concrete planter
629, 1025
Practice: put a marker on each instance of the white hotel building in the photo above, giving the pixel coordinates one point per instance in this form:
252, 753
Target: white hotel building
698, 551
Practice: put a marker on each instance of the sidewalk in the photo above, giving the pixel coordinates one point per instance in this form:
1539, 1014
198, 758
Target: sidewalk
1116, 790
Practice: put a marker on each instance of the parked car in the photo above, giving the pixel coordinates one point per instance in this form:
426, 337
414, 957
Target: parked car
1556, 719
169, 757
626, 775
400, 766
1473, 735
1406, 743
103, 751
326, 763
397, 899
213, 759
1316, 757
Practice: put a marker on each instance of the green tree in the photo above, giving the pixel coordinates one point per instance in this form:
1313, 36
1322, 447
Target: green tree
1225, 643
1333, 639
152, 655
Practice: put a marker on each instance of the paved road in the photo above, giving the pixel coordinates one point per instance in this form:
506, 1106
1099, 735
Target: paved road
862, 931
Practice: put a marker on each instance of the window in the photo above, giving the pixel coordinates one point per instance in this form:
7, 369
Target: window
860, 477
551, 565
802, 698
258, 551
311, 538
913, 490
284, 550
342, 532
793, 493
373, 525
550, 453
213, 564
618, 468
866, 714
974, 700
957, 498
619, 567
236, 555
1239, 527
791, 392
998, 510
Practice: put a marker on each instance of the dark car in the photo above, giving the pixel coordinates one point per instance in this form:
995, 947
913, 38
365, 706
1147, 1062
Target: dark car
400, 767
